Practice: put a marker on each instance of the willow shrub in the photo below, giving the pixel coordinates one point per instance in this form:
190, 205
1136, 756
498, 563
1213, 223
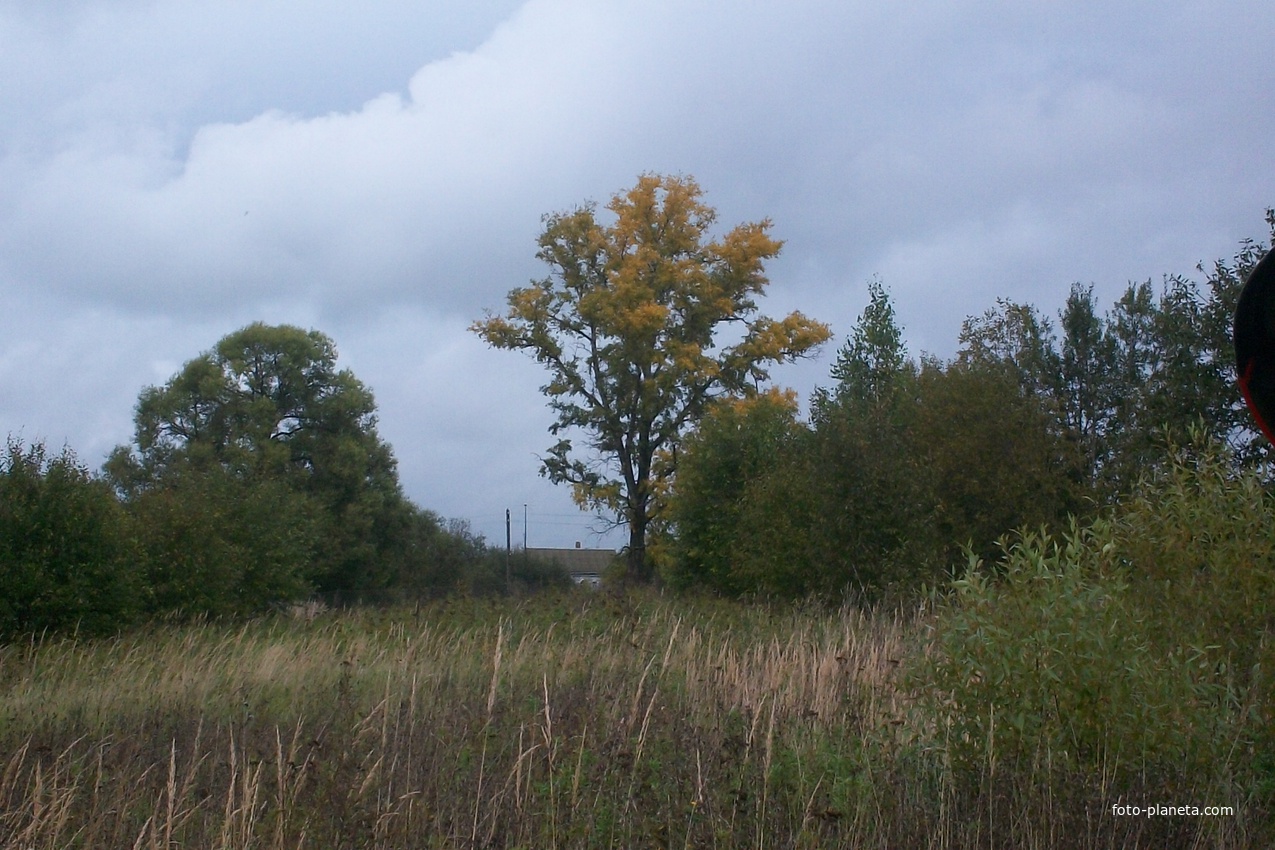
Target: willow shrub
1046, 661
1198, 541
1137, 646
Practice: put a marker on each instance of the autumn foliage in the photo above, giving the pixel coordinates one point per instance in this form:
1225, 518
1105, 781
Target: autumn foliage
629, 324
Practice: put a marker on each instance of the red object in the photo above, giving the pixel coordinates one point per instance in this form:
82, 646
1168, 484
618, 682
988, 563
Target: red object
1255, 343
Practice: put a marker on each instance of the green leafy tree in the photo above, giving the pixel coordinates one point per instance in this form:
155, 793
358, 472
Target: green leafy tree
1187, 382
1169, 368
873, 526
1173, 370
995, 458
1130, 436
1087, 387
766, 505
67, 560
1016, 337
869, 365
727, 527
627, 324
778, 552
268, 403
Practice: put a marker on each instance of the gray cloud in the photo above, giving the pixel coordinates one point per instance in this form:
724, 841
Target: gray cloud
169, 172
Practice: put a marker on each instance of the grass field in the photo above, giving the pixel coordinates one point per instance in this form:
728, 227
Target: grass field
572, 720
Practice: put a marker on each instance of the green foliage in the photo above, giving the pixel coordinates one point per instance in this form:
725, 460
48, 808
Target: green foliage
267, 400
1047, 661
1138, 647
904, 463
1158, 364
993, 457
873, 520
1129, 447
1170, 375
218, 544
268, 408
1195, 538
257, 477
1014, 337
731, 508
627, 324
431, 557
1125, 386
869, 365
66, 559
901, 467
1087, 385
775, 555
526, 574
448, 558
1190, 378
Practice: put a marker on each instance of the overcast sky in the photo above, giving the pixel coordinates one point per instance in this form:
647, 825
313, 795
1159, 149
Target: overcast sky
171, 171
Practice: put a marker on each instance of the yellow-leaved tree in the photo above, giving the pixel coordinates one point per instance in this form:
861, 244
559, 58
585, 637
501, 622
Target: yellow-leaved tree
626, 323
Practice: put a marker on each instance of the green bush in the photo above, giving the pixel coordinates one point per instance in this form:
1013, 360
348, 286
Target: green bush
871, 500
445, 556
1046, 660
740, 508
993, 459
1198, 540
66, 559
215, 544
526, 574
1138, 646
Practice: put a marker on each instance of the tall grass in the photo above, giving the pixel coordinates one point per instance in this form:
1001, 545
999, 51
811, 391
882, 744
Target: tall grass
575, 720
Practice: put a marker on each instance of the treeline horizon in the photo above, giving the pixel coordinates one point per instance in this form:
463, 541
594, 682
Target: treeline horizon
906, 464
256, 476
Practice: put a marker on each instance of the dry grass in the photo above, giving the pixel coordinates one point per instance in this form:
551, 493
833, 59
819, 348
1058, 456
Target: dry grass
571, 721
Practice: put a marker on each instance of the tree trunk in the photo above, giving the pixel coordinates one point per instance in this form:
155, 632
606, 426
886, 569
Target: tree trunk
638, 569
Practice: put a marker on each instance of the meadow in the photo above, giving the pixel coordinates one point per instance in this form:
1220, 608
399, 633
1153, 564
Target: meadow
568, 719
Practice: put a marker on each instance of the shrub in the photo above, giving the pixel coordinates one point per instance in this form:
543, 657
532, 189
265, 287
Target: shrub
1046, 660
1196, 539
66, 560
736, 511
1197, 542
1139, 645
218, 545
